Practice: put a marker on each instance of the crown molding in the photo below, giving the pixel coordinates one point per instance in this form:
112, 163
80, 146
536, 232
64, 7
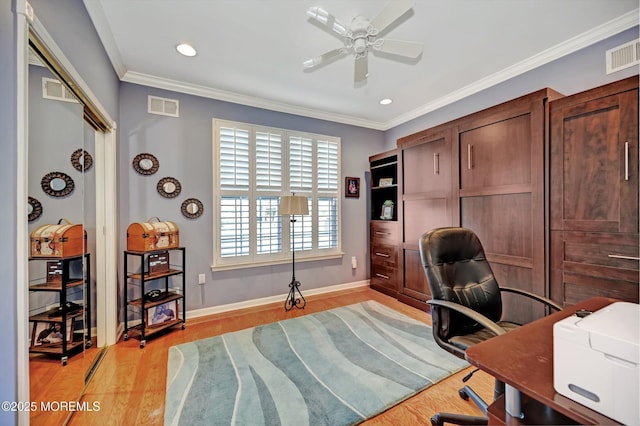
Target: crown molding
237, 98
599, 33
97, 16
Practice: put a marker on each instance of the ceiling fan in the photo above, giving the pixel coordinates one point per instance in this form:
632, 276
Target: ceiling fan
362, 35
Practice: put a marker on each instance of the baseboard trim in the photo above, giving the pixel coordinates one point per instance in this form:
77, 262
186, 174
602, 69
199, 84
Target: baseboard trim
196, 313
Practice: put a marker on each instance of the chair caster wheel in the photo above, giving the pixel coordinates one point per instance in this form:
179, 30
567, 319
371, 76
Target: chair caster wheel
463, 394
436, 420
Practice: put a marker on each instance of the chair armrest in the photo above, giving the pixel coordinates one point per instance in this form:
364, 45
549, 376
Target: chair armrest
470, 313
534, 296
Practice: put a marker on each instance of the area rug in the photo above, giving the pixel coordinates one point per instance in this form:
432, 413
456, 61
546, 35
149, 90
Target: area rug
337, 367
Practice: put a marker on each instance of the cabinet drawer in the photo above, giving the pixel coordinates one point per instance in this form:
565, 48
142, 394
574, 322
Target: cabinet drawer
384, 232
383, 275
602, 249
385, 255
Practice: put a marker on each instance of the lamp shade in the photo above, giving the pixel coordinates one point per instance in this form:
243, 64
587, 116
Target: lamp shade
293, 204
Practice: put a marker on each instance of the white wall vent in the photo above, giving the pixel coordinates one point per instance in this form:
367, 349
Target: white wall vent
623, 56
53, 89
163, 106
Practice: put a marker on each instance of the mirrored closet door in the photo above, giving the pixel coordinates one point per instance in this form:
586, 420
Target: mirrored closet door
63, 348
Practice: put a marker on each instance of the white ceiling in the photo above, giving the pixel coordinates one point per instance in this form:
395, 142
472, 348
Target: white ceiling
251, 51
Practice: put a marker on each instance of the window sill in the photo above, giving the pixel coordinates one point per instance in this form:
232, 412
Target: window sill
215, 268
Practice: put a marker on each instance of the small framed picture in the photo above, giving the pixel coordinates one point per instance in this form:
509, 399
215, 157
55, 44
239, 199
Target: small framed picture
385, 182
387, 210
50, 332
352, 187
159, 314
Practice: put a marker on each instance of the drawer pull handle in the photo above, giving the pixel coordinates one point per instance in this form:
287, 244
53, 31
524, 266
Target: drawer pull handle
382, 276
626, 161
469, 156
382, 254
436, 163
382, 233
619, 256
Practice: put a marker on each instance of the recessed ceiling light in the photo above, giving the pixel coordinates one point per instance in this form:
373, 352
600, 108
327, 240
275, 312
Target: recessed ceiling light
186, 49
385, 101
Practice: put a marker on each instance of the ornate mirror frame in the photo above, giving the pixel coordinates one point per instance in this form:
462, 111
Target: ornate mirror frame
169, 187
187, 208
49, 178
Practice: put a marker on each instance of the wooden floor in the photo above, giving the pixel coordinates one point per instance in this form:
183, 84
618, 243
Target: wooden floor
129, 385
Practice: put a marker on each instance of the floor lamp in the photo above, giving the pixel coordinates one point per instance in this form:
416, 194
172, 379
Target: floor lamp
292, 205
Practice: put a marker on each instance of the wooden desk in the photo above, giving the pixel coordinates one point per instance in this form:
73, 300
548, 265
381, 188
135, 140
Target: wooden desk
523, 359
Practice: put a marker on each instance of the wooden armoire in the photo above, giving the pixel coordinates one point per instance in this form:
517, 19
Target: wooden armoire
594, 194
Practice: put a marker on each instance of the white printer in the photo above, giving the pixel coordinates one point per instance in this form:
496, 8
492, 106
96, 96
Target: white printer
596, 360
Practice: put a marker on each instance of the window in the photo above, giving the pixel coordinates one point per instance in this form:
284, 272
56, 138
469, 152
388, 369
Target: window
253, 167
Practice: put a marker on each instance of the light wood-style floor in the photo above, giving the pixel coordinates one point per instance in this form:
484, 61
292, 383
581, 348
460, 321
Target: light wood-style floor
129, 385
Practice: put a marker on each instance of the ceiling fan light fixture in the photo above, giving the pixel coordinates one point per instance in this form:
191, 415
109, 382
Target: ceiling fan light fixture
386, 101
186, 49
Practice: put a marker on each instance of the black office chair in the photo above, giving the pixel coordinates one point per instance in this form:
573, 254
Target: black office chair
466, 305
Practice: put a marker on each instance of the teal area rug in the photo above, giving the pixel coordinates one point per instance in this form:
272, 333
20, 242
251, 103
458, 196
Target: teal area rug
337, 367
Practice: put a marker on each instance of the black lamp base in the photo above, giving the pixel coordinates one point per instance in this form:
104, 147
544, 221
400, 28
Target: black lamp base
293, 301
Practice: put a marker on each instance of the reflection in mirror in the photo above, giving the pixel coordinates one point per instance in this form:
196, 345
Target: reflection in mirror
146, 164
34, 209
57, 184
57, 126
81, 160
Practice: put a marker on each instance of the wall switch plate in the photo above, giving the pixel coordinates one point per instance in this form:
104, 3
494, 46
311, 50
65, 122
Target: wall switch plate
201, 278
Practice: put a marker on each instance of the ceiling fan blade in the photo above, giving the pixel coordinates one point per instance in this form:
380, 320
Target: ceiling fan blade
324, 58
328, 20
409, 49
361, 69
391, 12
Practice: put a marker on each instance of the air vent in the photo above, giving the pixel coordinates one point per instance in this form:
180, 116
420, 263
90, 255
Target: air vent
623, 56
53, 89
163, 106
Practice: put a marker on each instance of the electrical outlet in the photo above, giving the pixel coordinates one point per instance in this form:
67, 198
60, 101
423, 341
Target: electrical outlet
202, 279
354, 262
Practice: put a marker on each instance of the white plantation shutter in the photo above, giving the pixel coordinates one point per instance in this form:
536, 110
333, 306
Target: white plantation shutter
268, 225
327, 160
300, 163
234, 226
234, 158
254, 167
327, 222
268, 161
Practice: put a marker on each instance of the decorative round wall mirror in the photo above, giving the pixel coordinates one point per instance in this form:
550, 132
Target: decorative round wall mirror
145, 164
34, 208
192, 208
57, 184
81, 160
169, 187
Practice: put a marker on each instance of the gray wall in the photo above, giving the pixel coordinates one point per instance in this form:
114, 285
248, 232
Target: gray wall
571, 74
183, 147
56, 129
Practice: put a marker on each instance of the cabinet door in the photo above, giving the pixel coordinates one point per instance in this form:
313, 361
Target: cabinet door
594, 168
496, 154
502, 195
427, 166
426, 204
